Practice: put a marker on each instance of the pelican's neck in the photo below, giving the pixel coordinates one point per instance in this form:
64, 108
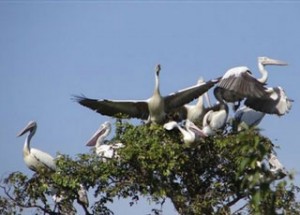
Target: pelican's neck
207, 99
99, 142
200, 102
218, 95
26, 148
263, 72
101, 139
156, 87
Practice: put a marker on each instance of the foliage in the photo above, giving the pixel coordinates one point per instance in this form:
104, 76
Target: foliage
210, 176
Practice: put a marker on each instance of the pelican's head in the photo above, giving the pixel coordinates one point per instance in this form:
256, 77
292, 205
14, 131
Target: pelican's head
102, 132
269, 61
105, 125
157, 69
201, 80
30, 127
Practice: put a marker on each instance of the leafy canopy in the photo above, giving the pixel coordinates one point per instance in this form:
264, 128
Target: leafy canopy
224, 174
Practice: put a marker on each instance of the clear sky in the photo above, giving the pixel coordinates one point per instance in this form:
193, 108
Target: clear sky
51, 50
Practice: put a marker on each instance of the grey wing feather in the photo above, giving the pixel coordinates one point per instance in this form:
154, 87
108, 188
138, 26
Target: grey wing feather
276, 103
245, 85
187, 95
132, 109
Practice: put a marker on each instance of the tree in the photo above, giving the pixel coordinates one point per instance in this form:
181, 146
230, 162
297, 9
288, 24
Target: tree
209, 176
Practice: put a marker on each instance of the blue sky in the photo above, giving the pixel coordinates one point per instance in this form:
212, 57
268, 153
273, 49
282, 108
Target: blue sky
51, 50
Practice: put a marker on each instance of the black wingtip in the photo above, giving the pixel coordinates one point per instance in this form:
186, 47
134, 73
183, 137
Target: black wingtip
78, 98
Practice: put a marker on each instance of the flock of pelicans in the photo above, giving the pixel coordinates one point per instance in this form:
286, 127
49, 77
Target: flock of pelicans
235, 86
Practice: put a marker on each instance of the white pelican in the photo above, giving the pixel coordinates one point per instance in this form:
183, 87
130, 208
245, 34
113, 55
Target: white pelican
34, 158
247, 116
191, 132
238, 83
276, 102
103, 149
153, 109
216, 118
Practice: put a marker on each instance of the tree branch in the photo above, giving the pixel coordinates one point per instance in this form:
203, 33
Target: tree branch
19, 204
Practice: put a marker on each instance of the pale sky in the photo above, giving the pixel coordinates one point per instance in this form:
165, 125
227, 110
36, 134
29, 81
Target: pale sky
52, 50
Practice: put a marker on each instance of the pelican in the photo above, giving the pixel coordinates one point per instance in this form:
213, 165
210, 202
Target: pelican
103, 149
238, 82
153, 109
191, 132
35, 158
248, 117
195, 112
276, 102
216, 118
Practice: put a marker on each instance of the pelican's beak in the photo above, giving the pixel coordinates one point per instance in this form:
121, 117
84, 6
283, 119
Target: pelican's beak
157, 69
94, 138
201, 80
28, 127
271, 61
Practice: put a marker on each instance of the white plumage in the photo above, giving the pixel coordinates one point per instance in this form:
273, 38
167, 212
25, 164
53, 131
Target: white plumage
35, 158
196, 112
214, 121
216, 118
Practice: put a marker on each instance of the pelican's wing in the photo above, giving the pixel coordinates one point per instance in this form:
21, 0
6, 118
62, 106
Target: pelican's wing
43, 159
277, 102
243, 84
105, 151
187, 95
249, 116
129, 108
